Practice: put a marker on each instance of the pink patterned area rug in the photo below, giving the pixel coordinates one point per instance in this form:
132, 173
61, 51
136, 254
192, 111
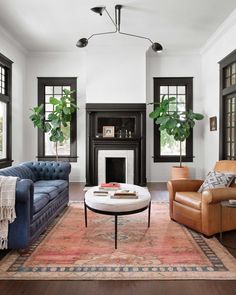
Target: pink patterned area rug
166, 250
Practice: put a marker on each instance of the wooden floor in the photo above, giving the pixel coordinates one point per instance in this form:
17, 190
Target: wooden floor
188, 287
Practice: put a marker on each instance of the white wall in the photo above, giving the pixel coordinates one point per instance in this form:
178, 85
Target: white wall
15, 52
174, 65
116, 74
221, 44
67, 64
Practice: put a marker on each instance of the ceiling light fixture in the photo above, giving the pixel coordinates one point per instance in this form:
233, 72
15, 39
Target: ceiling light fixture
100, 9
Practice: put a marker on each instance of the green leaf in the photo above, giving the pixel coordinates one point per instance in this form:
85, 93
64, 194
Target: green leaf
54, 101
198, 116
66, 110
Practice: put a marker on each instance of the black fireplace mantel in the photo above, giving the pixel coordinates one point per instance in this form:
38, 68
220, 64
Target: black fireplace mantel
130, 117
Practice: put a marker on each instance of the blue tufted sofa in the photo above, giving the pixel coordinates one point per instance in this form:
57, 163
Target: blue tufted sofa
42, 191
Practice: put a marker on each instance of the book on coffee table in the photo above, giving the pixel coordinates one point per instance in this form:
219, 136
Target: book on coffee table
124, 194
232, 202
100, 193
109, 186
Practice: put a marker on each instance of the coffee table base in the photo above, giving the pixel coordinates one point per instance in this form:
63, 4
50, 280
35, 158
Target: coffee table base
116, 214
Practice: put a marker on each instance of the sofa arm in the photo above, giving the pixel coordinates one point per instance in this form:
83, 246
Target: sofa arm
49, 170
19, 230
181, 185
217, 195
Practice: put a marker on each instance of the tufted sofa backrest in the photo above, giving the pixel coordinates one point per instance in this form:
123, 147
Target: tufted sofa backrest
22, 172
49, 170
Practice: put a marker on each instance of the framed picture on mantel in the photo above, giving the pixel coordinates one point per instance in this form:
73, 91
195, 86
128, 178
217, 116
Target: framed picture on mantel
108, 131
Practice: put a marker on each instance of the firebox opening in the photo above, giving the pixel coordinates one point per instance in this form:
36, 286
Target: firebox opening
115, 170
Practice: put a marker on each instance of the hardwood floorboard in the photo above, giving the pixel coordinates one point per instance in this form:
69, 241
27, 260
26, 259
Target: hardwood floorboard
118, 287
188, 287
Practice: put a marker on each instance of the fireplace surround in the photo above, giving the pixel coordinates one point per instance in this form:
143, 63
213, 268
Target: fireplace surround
129, 141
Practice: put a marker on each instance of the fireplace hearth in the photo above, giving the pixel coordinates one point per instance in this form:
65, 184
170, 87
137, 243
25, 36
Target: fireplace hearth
121, 157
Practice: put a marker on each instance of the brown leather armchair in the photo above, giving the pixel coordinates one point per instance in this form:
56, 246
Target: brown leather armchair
202, 211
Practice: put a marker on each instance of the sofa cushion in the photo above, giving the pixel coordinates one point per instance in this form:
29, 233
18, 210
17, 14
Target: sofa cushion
190, 199
60, 184
40, 200
52, 191
18, 171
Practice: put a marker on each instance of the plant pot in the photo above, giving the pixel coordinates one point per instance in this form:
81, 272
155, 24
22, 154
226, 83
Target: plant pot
179, 172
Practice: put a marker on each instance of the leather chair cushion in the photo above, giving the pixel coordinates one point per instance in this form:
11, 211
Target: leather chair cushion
40, 200
190, 199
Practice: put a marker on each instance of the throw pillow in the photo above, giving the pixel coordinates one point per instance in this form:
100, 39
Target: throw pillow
216, 180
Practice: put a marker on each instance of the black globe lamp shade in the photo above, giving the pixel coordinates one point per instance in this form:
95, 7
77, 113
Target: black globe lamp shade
82, 42
157, 47
98, 9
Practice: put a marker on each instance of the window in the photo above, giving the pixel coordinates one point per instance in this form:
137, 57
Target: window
5, 111
48, 87
166, 149
228, 107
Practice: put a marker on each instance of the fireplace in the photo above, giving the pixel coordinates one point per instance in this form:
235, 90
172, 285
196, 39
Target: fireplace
121, 156
116, 166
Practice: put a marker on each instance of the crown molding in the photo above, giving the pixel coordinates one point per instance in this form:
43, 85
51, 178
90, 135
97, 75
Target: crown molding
222, 29
12, 40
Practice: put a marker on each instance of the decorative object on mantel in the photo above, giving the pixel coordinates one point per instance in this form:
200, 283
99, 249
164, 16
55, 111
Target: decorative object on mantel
58, 119
213, 123
177, 124
108, 131
83, 42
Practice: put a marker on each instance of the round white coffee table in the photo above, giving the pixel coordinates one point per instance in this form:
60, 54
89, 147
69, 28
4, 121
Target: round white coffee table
116, 207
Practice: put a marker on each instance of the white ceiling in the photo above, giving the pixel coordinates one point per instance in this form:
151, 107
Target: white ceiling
56, 25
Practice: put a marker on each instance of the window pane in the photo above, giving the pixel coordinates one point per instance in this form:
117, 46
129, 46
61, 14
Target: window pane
2, 80
48, 107
164, 90
49, 90
170, 147
3, 130
66, 87
63, 149
57, 89
181, 89
172, 90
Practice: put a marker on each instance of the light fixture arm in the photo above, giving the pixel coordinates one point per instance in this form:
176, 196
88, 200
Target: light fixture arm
105, 33
118, 17
114, 23
136, 36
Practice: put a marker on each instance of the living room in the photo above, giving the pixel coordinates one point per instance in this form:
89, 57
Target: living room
118, 66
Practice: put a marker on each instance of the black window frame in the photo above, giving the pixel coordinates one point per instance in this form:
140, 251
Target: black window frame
58, 81
7, 98
225, 93
172, 81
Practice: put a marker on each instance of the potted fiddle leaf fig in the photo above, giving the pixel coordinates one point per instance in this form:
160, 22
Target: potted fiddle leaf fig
178, 125
58, 120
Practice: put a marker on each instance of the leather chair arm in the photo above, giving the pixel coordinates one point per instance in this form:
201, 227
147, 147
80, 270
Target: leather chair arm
184, 185
181, 185
216, 195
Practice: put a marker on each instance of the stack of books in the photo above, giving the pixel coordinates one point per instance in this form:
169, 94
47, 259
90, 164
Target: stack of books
109, 186
124, 194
